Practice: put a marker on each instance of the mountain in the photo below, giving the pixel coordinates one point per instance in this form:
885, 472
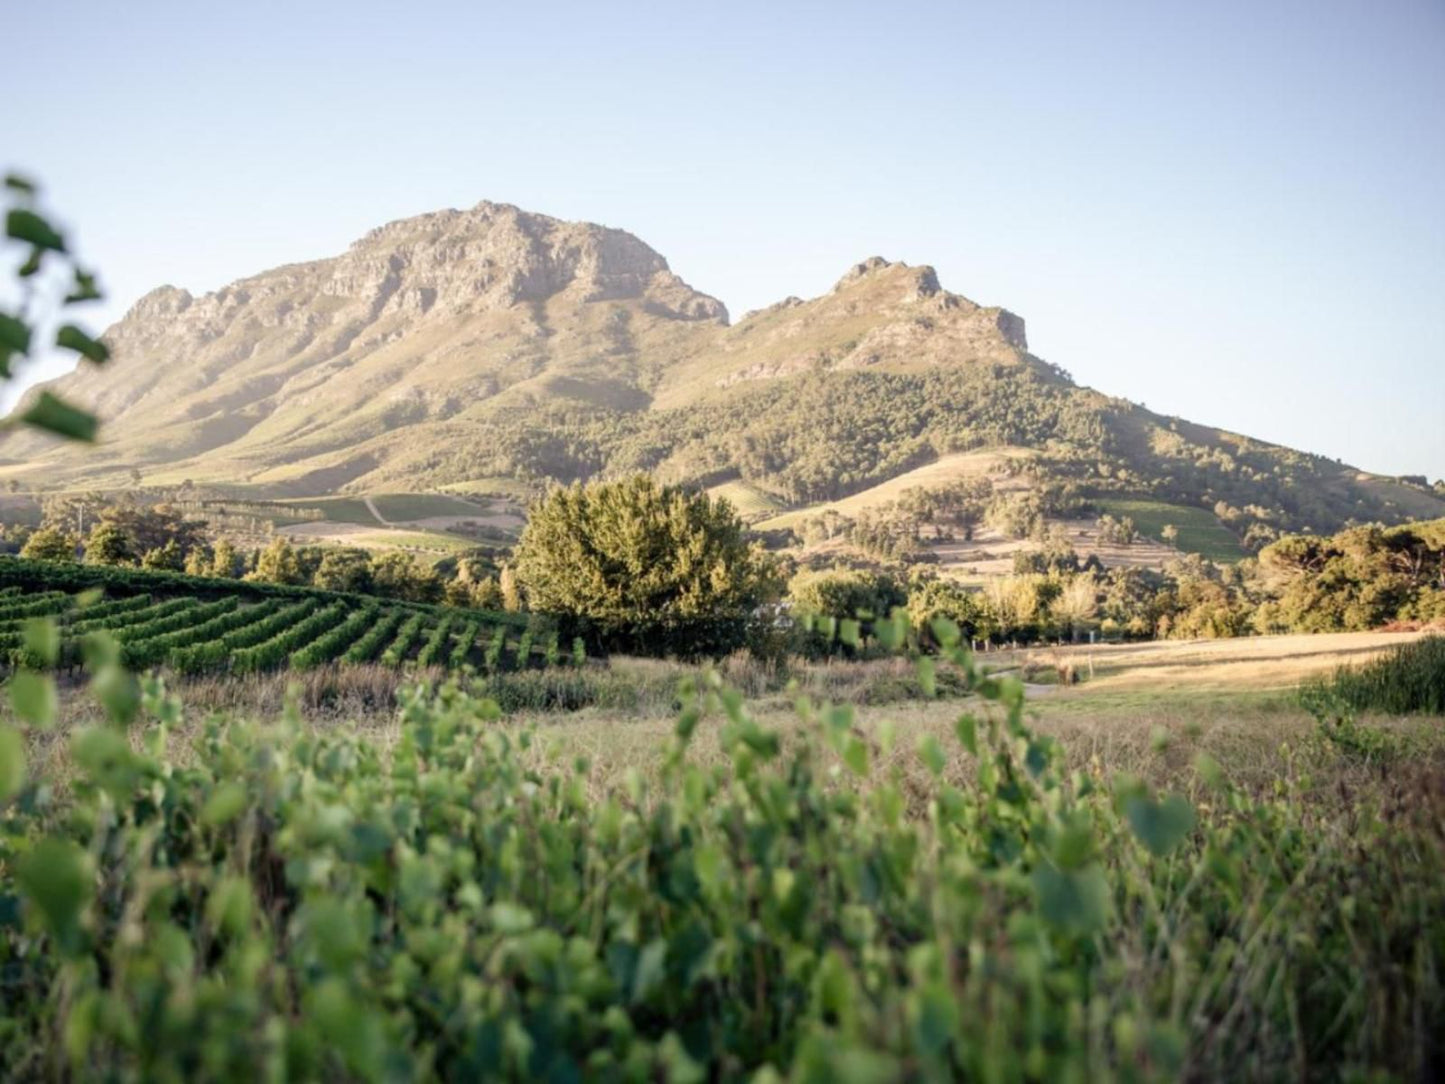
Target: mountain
459, 348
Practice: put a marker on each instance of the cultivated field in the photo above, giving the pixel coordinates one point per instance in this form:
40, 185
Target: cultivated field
195, 625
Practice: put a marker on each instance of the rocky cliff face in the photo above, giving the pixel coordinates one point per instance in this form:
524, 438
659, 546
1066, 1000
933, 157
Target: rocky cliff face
313, 375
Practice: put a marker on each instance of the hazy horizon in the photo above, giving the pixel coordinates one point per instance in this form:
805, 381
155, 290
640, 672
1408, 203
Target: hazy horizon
1231, 215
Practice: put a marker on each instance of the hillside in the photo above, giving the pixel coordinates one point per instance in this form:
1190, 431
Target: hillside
467, 351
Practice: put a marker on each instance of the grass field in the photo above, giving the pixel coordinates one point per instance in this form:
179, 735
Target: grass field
945, 469
403, 507
1235, 699
748, 501
337, 509
1199, 530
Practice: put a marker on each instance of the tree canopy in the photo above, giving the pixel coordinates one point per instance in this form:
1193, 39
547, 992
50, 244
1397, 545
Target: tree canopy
644, 566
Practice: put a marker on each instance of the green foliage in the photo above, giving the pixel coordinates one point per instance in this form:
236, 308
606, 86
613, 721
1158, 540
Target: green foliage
371, 643
48, 544
1358, 579
845, 592
406, 635
648, 567
29, 232
432, 650
1408, 679
335, 641
280, 902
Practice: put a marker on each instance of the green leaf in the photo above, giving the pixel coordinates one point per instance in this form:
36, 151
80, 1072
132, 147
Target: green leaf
28, 226
945, 631
849, 631
85, 288
12, 762
58, 416
1160, 826
118, 692
71, 337
931, 753
57, 879
651, 964
14, 334
42, 639
17, 183
1076, 901
926, 677
100, 649
967, 730
224, 805
34, 698
855, 755
511, 918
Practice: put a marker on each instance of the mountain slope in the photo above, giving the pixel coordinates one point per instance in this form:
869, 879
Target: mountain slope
492, 342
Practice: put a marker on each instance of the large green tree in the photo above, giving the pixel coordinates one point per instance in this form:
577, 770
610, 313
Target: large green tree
645, 567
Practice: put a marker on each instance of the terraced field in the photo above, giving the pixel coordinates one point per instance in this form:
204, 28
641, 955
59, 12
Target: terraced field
1199, 529
159, 622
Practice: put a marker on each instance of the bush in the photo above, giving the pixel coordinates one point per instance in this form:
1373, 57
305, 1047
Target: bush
646, 568
447, 906
1411, 678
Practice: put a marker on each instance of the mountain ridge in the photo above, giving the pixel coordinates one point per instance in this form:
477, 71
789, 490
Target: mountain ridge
459, 345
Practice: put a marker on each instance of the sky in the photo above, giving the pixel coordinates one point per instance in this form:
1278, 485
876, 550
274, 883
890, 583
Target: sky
1233, 212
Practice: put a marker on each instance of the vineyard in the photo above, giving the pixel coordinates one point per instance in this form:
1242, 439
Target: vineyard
196, 625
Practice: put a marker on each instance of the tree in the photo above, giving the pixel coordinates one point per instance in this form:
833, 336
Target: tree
509, 590
277, 563
934, 598
225, 561
1170, 534
50, 544
1076, 604
396, 574
168, 558
845, 592
344, 570
198, 562
653, 568
107, 544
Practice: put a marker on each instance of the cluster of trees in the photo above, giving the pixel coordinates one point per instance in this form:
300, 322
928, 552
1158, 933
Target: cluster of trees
640, 566
1360, 578
1363, 577
1117, 532
126, 533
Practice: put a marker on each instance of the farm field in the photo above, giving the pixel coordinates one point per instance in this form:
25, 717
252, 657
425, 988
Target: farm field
1199, 529
430, 525
750, 502
194, 625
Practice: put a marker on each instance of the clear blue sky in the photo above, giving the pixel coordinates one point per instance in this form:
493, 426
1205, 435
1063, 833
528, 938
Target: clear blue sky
1230, 211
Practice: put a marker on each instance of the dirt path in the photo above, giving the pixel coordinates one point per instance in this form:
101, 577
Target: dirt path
371, 507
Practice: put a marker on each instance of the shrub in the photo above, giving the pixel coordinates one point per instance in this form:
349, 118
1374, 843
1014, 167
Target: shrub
448, 907
648, 568
1411, 678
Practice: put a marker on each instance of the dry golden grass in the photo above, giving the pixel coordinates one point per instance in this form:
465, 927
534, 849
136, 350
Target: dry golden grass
1150, 710
1256, 663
